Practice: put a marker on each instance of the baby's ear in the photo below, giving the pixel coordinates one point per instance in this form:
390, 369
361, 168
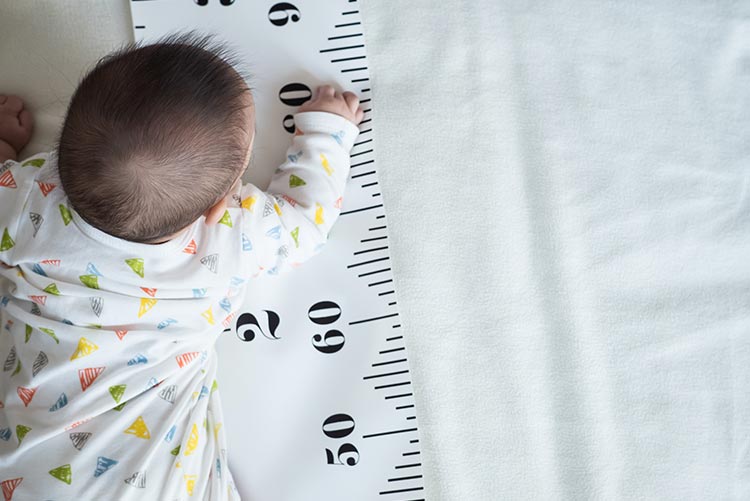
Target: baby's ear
214, 213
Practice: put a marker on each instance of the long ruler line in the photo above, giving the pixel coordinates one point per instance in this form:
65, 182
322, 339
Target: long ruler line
383, 433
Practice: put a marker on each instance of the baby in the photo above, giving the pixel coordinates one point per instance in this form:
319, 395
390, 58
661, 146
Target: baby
124, 254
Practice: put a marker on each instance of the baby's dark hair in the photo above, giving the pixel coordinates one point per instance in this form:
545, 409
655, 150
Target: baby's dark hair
155, 135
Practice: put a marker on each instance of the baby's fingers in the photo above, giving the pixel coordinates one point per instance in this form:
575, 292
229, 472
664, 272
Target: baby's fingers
359, 115
352, 101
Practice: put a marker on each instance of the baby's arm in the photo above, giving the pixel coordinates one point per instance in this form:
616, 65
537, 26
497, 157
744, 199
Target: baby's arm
288, 223
15, 127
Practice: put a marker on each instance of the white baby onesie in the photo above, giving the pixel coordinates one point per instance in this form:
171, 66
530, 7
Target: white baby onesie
108, 386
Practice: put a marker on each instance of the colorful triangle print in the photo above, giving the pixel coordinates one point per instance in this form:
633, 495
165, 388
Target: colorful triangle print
139, 429
267, 208
175, 451
136, 264
6, 242
90, 281
137, 479
226, 219
191, 248
325, 164
34, 162
5, 434
50, 333
208, 315
170, 434
10, 360
62, 401
9, 486
190, 483
29, 330
117, 392
277, 209
88, 376
79, 439
36, 221
26, 394
121, 334
97, 305
295, 181
211, 262
21, 431
40, 362
45, 188
248, 203
318, 213
192, 442
150, 292
246, 245
85, 347
186, 358
37, 268
52, 289
138, 359
91, 270
146, 305
103, 464
338, 202
169, 393
39, 299
6, 178
62, 473
295, 236
67, 217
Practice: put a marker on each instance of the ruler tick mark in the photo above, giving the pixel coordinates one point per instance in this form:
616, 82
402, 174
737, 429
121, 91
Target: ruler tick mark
380, 216
377, 228
415, 440
381, 282
376, 194
347, 59
365, 121
393, 338
399, 396
397, 325
361, 153
373, 376
347, 47
410, 453
368, 262
405, 430
391, 385
412, 465
404, 478
363, 208
405, 406
363, 174
347, 24
361, 80
345, 36
349, 12
374, 272
391, 351
408, 418
370, 250
372, 319
362, 163
390, 362
362, 142
401, 490
142, 27
372, 239
386, 293
365, 90
347, 70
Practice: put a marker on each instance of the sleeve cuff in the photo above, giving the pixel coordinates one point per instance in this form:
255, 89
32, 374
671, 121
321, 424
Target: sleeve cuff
344, 131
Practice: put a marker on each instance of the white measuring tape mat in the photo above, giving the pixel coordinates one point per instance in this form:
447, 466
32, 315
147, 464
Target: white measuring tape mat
317, 394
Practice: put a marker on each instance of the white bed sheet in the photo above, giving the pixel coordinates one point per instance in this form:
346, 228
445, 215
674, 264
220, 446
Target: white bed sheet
568, 193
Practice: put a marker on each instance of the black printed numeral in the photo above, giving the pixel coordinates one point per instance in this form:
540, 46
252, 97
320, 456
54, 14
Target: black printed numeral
325, 313
225, 3
340, 426
282, 13
293, 94
247, 324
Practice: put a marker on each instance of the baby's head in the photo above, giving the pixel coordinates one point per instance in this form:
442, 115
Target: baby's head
156, 136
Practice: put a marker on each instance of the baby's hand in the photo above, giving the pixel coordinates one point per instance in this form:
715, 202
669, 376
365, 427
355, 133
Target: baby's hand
327, 99
16, 123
